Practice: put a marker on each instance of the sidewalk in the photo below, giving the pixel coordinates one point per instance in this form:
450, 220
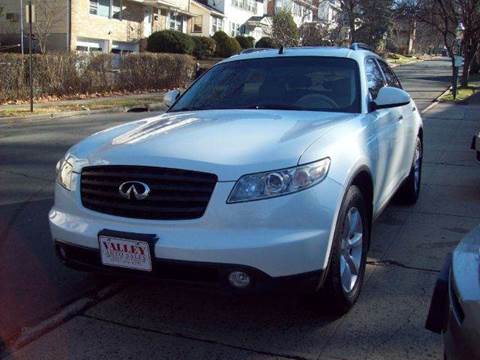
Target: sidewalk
150, 320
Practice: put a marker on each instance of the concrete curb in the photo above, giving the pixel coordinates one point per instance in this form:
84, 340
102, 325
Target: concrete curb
68, 312
435, 101
67, 114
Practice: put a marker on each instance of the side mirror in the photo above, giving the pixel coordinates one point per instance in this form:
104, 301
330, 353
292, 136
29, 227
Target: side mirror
389, 97
170, 97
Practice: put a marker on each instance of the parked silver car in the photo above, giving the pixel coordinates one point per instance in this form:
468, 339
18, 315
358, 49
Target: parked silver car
455, 307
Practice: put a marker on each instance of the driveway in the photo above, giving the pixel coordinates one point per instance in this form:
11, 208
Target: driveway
170, 321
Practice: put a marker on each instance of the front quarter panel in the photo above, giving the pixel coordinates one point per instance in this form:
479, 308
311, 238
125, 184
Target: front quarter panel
347, 147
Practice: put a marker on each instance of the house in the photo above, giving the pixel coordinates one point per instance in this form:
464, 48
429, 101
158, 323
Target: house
327, 14
303, 11
95, 25
207, 19
241, 17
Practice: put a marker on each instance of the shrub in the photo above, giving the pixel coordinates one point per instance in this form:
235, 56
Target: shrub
170, 41
226, 46
72, 74
204, 47
265, 42
155, 71
284, 29
246, 42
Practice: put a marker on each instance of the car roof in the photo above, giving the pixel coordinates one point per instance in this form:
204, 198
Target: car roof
322, 51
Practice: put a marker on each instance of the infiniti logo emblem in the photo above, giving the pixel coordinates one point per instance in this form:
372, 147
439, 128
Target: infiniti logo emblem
134, 190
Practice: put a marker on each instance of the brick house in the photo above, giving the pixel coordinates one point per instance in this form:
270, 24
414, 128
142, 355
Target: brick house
95, 25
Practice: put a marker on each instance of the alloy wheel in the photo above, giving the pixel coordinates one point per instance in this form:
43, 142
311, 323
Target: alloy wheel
351, 250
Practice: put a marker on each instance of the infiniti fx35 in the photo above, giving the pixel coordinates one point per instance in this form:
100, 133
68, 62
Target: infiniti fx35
269, 169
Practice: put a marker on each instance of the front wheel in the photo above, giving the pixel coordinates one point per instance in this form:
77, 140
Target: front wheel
410, 188
348, 255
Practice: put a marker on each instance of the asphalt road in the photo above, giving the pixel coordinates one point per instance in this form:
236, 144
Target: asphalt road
34, 285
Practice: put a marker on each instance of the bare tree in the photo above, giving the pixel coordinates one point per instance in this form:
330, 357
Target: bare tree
314, 34
48, 14
445, 16
470, 16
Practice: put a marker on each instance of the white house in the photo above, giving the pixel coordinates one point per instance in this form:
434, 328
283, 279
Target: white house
328, 12
303, 11
242, 17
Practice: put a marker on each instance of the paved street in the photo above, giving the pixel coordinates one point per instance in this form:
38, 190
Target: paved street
170, 321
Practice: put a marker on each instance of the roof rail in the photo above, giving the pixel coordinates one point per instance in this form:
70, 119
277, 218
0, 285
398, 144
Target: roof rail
361, 46
251, 50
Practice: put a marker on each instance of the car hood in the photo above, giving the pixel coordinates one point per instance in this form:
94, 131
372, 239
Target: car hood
225, 142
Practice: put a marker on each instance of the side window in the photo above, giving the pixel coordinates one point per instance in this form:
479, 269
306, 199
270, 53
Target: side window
374, 77
392, 79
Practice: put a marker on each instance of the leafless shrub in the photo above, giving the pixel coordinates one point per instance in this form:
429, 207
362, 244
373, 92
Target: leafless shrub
71, 74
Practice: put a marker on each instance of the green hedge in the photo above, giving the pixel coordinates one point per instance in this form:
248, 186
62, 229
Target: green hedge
71, 74
204, 47
265, 42
246, 42
170, 41
226, 46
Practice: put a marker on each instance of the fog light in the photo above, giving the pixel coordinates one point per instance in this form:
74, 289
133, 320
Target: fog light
239, 279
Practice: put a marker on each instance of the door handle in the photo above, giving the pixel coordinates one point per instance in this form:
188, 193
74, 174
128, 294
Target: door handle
414, 109
400, 118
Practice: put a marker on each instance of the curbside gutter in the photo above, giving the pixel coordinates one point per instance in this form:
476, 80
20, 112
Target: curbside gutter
78, 306
67, 114
435, 101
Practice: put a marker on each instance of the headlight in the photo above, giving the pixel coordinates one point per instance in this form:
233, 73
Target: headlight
65, 174
279, 182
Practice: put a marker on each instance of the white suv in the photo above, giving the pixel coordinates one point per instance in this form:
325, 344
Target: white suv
269, 169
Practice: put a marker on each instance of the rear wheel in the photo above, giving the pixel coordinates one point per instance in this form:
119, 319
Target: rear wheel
410, 189
348, 255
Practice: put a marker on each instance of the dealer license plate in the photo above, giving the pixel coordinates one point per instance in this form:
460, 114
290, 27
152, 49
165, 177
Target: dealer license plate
125, 253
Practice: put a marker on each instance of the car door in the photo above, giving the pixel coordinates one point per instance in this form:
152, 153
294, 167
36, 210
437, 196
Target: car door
405, 141
383, 130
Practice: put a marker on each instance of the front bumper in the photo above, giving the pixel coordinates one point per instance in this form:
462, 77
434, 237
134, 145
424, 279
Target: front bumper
215, 274
276, 238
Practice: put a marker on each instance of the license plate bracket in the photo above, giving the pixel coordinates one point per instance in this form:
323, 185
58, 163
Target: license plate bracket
126, 250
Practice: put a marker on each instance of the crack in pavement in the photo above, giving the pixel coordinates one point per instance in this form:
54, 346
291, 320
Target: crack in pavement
399, 264
190, 337
439, 213
447, 164
25, 175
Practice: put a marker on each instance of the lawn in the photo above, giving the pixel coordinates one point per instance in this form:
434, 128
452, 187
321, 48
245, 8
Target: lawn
464, 93
400, 59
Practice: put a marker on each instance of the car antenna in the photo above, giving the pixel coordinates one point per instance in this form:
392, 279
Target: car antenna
280, 51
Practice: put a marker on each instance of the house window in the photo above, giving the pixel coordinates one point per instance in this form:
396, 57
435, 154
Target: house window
250, 5
234, 29
13, 17
175, 21
117, 9
197, 23
217, 24
107, 8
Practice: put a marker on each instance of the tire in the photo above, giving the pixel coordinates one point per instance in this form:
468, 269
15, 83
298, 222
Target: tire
409, 191
352, 222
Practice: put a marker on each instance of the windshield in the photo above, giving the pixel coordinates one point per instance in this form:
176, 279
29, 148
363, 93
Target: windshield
289, 83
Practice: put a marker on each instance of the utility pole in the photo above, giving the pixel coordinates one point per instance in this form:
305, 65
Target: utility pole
21, 26
30, 78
